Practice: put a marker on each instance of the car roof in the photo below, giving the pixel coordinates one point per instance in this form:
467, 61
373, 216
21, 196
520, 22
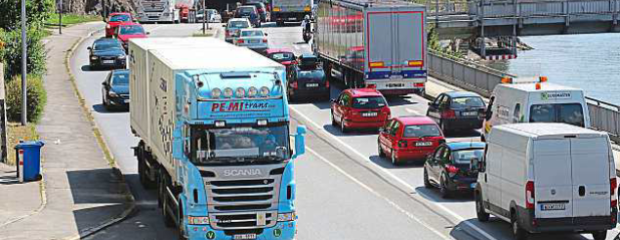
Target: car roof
278, 50
307, 55
455, 146
251, 30
247, 6
454, 94
415, 120
238, 19
364, 92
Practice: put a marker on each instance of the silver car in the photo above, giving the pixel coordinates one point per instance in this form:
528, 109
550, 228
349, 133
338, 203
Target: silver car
234, 26
254, 39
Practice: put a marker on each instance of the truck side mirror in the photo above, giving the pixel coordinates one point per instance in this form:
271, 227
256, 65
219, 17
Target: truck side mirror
300, 141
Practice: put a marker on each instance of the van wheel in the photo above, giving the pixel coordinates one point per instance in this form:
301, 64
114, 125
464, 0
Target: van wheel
427, 183
380, 151
600, 235
517, 230
443, 190
482, 215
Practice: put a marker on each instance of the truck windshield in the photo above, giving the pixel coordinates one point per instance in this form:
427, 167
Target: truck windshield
239, 145
571, 113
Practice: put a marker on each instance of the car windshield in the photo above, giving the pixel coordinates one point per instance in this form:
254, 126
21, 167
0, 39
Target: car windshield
246, 10
107, 45
417, 131
571, 113
120, 18
315, 74
132, 30
368, 102
465, 156
282, 56
252, 33
120, 78
211, 11
238, 24
466, 102
239, 145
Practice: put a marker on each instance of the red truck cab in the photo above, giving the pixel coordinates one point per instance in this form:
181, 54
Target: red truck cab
116, 19
359, 108
409, 138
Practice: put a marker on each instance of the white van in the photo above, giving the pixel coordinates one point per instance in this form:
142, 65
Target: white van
527, 100
548, 177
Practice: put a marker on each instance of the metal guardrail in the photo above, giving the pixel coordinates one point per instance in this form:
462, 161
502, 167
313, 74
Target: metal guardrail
533, 8
475, 77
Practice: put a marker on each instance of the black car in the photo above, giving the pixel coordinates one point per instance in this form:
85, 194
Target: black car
107, 52
308, 80
115, 90
457, 111
249, 12
453, 167
262, 10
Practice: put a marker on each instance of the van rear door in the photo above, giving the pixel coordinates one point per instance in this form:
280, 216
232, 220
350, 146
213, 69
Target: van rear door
591, 190
552, 178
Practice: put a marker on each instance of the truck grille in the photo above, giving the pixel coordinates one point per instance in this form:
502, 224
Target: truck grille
153, 6
256, 194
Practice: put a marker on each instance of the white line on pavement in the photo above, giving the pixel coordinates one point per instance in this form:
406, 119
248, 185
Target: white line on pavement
393, 204
412, 111
399, 180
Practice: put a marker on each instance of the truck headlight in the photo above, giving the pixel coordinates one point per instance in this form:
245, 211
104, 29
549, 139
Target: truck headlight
197, 220
286, 217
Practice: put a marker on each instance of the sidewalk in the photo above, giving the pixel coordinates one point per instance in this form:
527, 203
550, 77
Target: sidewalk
81, 188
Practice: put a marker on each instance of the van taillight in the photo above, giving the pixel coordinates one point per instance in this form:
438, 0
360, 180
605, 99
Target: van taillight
448, 114
529, 195
613, 184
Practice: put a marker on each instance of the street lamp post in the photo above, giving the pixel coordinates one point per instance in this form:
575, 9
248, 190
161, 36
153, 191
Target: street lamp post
59, 16
24, 58
204, 18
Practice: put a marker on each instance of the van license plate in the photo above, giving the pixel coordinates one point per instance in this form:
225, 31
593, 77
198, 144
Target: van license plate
249, 236
552, 206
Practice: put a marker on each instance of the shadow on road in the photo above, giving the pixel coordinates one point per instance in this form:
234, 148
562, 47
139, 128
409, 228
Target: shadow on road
386, 163
99, 108
352, 132
432, 194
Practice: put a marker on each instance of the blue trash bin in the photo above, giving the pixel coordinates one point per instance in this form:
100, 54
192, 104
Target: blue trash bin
32, 159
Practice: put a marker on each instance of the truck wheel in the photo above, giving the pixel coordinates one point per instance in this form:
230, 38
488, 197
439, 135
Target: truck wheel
181, 225
168, 220
482, 215
600, 235
517, 230
144, 179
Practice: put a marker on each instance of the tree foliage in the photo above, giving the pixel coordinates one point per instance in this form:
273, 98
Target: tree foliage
37, 12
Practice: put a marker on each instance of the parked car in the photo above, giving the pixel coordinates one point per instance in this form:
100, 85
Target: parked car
249, 12
115, 89
362, 108
128, 31
548, 177
308, 80
457, 111
254, 39
116, 19
107, 52
234, 27
262, 10
453, 167
212, 16
405, 139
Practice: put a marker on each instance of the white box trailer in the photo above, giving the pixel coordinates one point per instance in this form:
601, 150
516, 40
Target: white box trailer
373, 43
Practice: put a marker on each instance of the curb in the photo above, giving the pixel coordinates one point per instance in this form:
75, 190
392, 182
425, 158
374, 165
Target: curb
104, 147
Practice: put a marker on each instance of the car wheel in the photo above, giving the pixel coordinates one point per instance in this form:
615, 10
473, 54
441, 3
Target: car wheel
600, 235
105, 103
380, 151
443, 190
482, 138
343, 128
333, 120
394, 159
427, 183
482, 215
517, 230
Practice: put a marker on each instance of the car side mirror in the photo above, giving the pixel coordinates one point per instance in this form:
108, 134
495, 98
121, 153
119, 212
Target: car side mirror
266, 34
148, 33
300, 141
430, 104
89, 48
104, 83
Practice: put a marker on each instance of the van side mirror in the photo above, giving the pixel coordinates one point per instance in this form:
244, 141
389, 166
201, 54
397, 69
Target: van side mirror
300, 141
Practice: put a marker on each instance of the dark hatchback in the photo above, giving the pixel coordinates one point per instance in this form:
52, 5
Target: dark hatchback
115, 89
457, 111
107, 53
262, 10
249, 12
453, 167
307, 80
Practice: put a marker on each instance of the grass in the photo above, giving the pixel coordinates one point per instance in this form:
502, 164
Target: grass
71, 19
16, 133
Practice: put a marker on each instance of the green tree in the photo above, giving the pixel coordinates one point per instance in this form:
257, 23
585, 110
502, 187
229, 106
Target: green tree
37, 12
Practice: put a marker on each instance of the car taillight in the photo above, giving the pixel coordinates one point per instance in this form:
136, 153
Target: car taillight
227, 33
326, 84
264, 40
452, 170
613, 184
295, 86
402, 143
107, 26
529, 195
448, 114
240, 41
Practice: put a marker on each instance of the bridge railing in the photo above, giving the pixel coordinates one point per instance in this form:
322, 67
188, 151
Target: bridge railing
475, 77
533, 8
444, 7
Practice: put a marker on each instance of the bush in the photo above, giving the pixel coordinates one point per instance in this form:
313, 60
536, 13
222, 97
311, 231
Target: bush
37, 97
37, 12
11, 53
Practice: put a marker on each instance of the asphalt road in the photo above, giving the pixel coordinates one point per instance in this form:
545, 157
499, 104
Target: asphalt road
345, 190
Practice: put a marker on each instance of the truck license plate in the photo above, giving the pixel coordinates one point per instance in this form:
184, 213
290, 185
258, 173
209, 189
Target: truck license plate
396, 77
108, 61
552, 206
249, 236
312, 85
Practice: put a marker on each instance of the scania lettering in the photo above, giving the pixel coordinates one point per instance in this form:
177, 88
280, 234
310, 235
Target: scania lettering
215, 138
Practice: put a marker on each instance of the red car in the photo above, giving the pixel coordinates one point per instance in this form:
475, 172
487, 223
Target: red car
116, 19
284, 56
409, 138
127, 31
359, 108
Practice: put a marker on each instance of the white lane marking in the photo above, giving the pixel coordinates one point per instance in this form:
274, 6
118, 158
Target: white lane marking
399, 180
412, 111
369, 189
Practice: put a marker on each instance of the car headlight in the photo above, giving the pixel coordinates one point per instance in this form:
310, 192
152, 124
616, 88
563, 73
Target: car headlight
286, 217
94, 57
197, 220
122, 57
113, 94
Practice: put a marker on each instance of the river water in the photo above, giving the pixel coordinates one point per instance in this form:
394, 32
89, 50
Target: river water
590, 62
